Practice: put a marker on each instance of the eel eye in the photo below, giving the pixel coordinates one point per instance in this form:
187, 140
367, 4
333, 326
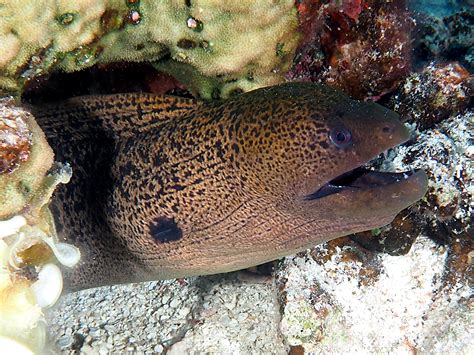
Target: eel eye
341, 137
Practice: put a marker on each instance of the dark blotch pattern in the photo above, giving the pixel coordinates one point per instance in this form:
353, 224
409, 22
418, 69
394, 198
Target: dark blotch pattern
165, 230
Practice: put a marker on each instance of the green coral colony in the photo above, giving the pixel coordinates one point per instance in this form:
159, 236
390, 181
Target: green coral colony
214, 47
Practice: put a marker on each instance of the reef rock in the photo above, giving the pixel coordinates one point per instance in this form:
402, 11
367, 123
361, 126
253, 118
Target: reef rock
437, 92
445, 38
445, 214
362, 47
331, 305
342, 295
446, 153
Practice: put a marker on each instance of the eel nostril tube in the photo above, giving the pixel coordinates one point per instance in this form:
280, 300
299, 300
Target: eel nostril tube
387, 129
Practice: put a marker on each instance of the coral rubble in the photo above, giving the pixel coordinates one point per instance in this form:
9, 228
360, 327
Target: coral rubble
216, 314
214, 47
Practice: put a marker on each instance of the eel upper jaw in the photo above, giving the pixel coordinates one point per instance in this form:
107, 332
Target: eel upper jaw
361, 179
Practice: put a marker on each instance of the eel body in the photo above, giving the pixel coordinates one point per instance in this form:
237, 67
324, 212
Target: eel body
167, 187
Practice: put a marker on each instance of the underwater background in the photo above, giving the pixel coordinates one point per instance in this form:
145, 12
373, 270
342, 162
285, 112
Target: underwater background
402, 288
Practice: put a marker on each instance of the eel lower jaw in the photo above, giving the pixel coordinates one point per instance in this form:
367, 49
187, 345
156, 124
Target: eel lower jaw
361, 179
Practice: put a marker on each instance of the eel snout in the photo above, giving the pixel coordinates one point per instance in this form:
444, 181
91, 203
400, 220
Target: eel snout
361, 179
372, 196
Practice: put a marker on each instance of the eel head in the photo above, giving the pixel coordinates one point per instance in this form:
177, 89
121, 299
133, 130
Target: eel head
320, 142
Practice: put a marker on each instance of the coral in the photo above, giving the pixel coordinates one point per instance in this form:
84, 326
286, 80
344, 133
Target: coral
214, 47
28, 176
434, 94
361, 47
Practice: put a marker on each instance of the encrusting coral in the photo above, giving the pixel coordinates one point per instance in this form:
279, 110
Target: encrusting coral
214, 47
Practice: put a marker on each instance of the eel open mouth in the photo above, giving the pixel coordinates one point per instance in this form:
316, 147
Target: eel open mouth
359, 178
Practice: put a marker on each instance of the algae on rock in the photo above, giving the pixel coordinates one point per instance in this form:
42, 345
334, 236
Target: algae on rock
251, 41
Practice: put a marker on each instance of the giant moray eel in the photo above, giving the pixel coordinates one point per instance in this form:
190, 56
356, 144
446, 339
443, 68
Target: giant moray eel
167, 187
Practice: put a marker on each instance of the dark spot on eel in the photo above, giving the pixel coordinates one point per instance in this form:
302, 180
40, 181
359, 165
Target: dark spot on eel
165, 230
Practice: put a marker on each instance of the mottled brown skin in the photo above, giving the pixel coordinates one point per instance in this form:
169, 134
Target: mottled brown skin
168, 187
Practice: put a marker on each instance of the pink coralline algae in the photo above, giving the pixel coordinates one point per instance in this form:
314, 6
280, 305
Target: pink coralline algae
361, 47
